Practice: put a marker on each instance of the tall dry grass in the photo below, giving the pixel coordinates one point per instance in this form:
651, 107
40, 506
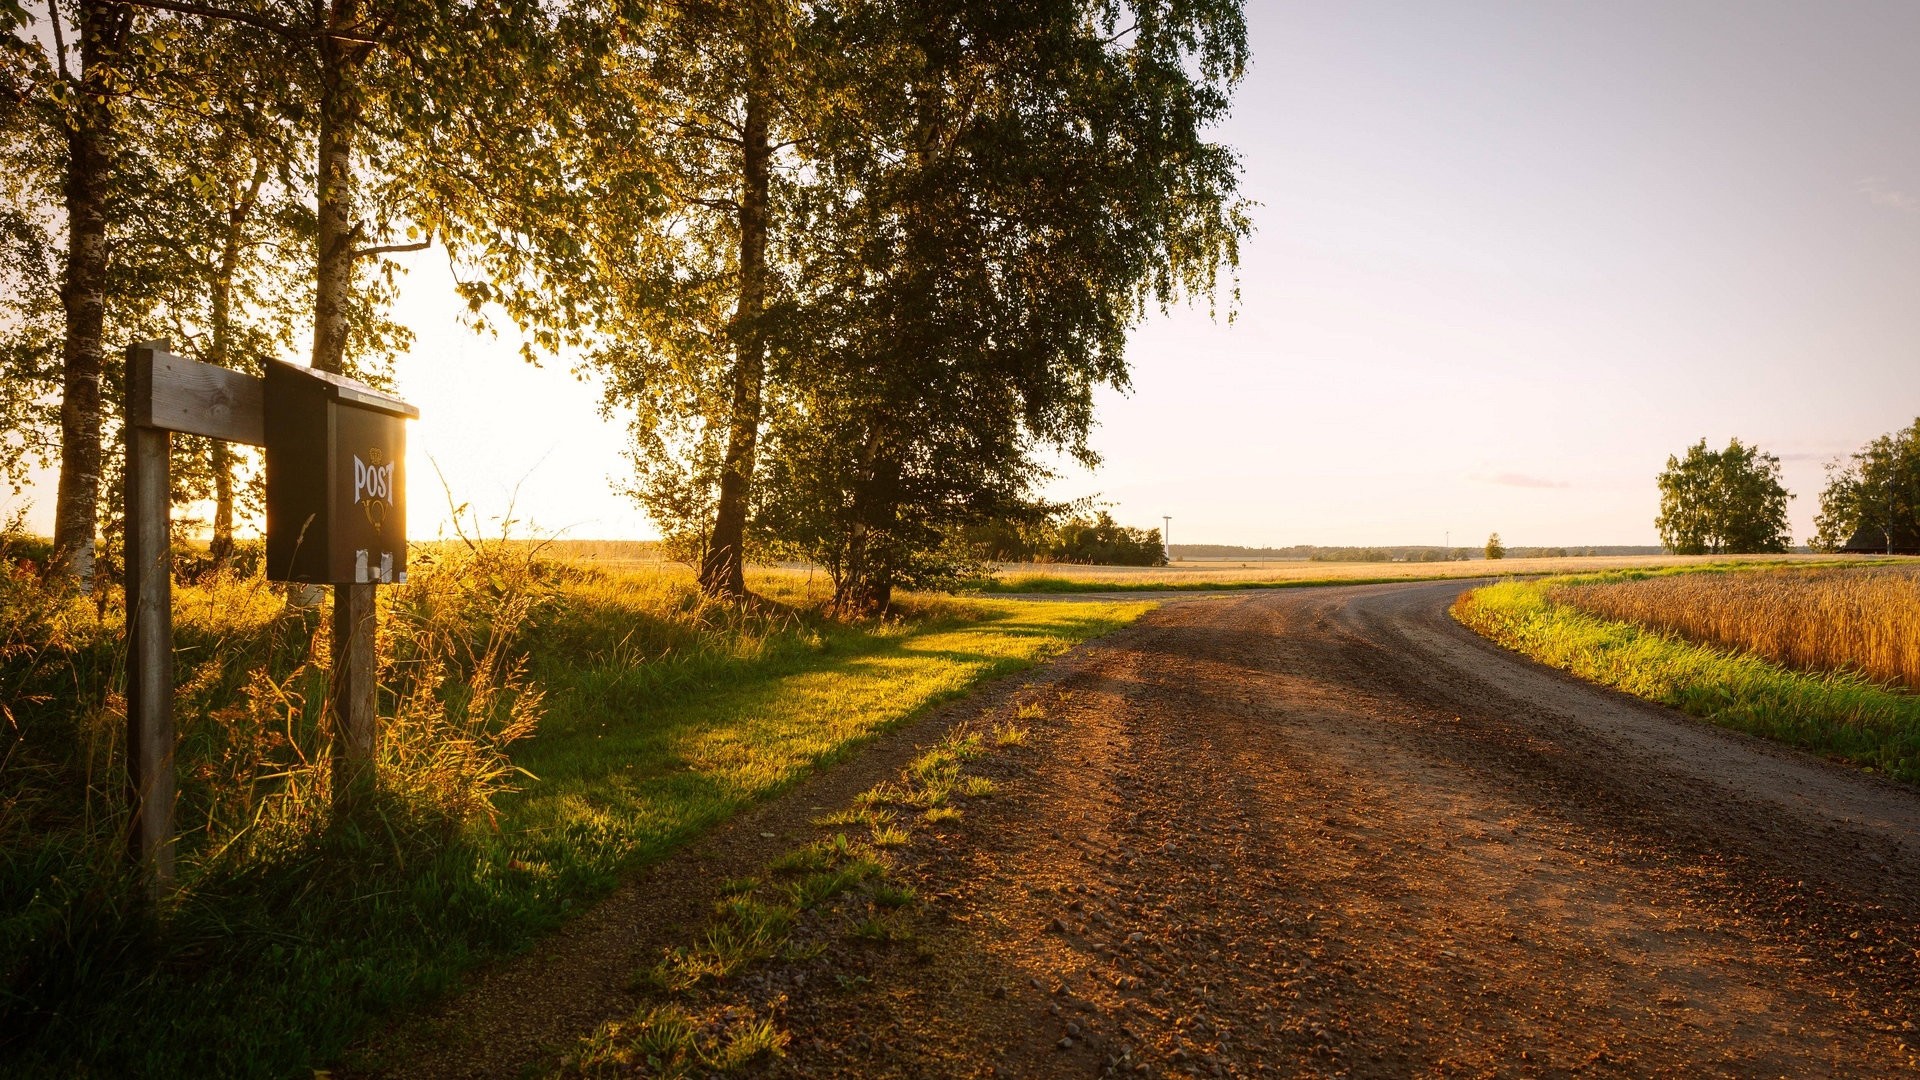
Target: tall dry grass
1864, 620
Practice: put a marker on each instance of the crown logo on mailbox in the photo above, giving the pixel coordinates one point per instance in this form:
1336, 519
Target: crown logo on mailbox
373, 485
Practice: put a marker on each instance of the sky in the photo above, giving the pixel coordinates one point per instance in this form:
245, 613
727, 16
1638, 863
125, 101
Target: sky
1507, 258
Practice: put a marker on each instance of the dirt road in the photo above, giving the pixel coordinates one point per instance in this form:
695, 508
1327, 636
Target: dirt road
1329, 831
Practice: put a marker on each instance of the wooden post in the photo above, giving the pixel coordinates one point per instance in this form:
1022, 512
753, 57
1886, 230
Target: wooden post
150, 781
351, 697
166, 393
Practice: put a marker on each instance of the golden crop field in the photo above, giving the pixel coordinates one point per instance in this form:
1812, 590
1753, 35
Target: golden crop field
1864, 619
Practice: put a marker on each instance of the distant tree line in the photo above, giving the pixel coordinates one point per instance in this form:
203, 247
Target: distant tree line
1731, 501
1386, 554
1067, 538
849, 269
1410, 553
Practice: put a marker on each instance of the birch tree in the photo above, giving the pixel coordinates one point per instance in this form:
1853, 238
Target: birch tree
93, 51
719, 98
422, 120
1015, 187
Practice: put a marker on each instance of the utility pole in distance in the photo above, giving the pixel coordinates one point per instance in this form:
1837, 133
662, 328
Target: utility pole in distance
1166, 535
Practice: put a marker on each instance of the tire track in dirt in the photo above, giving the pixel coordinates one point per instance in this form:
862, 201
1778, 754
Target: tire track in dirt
1312, 832
1331, 832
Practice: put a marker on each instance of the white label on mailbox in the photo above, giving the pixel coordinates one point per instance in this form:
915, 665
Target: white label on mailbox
372, 481
360, 566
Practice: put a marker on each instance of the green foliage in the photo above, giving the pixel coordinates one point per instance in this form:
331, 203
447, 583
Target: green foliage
195, 137
1878, 488
205, 199
1730, 501
1103, 541
1495, 549
1030, 177
1049, 535
689, 288
30, 317
659, 715
1834, 713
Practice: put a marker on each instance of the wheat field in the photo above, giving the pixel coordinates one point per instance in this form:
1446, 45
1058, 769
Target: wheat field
1865, 619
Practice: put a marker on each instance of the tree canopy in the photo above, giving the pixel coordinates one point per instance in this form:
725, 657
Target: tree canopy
235, 177
995, 230
851, 269
1723, 502
1878, 486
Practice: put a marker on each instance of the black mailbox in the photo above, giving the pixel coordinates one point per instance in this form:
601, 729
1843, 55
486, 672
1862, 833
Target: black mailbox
336, 479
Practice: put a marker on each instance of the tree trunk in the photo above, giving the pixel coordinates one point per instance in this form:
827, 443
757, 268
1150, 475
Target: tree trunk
339, 117
219, 349
220, 460
353, 692
866, 588
721, 569
83, 298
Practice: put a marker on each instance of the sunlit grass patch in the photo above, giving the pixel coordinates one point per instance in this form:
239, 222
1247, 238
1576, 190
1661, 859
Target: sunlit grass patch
668, 1041
835, 888
886, 793
1839, 714
808, 859
860, 814
658, 715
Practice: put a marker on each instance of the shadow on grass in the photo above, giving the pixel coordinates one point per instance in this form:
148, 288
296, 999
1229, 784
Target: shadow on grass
652, 735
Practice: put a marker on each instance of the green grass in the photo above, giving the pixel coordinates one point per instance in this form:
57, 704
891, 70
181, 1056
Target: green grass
1836, 714
787, 914
667, 1042
661, 718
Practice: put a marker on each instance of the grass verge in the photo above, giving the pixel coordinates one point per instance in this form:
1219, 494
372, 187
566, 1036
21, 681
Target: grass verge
804, 909
658, 717
1837, 714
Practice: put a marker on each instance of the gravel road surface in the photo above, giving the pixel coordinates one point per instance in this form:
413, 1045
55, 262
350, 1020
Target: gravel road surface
1328, 831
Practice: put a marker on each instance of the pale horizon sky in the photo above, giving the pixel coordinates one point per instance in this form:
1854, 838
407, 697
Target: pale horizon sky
1509, 256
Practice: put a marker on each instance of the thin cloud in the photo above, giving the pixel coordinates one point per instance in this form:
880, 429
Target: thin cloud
1881, 193
1522, 480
